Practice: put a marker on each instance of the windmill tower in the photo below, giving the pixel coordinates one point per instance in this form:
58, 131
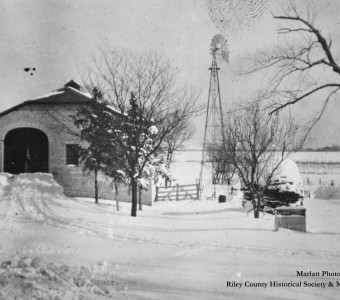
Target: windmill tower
213, 132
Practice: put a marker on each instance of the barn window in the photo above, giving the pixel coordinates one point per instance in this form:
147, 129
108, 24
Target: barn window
72, 154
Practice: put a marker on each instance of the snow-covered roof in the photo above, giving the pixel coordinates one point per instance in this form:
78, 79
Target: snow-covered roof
114, 110
70, 93
70, 86
49, 95
86, 94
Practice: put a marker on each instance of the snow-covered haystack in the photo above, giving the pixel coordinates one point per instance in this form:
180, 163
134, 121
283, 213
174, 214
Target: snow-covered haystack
289, 178
29, 194
286, 185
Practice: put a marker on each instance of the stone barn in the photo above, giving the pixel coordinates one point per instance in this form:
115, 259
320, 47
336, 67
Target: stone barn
38, 135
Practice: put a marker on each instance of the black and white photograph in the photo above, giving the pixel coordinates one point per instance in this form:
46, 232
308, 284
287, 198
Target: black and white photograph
169, 149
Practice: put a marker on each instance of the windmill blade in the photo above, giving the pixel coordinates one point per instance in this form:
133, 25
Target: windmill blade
219, 47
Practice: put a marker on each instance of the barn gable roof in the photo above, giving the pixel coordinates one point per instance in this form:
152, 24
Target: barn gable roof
70, 93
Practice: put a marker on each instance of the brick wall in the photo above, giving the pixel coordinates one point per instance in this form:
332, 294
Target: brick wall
54, 120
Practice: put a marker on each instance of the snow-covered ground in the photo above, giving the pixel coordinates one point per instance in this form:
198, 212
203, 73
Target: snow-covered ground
317, 169
313, 165
54, 247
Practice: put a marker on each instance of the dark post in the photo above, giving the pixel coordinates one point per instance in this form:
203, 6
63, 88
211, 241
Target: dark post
157, 188
117, 202
140, 198
96, 185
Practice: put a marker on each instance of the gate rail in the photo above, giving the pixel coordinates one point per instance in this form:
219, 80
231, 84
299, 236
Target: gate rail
177, 192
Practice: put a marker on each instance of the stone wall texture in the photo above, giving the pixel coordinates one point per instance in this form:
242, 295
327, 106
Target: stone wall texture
55, 121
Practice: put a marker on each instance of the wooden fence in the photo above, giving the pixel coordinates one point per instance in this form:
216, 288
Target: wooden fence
320, 181
177, 192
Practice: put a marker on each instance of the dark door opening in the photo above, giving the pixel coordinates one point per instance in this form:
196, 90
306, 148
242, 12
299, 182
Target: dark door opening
26, 151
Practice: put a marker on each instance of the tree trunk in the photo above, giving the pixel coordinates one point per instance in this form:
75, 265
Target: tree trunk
140, 199
134, 190
116, 190
257, 209
96, 185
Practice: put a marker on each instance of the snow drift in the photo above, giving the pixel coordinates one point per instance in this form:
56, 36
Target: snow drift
27, 278
29, 195
4, 182
327, 192
38, 197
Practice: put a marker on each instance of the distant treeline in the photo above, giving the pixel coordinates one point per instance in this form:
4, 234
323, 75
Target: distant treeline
333, 148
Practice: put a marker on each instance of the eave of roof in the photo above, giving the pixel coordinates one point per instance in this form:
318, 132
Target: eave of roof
54, 98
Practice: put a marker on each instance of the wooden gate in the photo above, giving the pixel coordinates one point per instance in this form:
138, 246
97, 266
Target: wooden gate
177, 192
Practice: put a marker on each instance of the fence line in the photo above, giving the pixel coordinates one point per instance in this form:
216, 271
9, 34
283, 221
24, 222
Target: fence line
177, 192
320, 181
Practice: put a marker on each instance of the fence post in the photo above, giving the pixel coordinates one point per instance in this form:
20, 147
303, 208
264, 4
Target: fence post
117, 202
157, 188
177, 191
197, 191
140, 198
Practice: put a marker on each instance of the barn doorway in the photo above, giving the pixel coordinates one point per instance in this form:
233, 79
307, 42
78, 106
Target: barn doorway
26, 151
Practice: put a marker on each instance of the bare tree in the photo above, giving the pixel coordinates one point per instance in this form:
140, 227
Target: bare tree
142, 89
296, 63
258, 143
175, 140
223, 168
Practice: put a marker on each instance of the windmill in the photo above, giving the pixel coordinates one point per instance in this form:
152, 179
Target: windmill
214, 118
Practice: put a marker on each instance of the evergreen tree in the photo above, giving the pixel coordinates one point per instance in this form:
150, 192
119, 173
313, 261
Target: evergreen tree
97, 154
121, 146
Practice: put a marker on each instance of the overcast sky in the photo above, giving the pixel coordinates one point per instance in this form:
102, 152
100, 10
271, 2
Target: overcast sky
58, 37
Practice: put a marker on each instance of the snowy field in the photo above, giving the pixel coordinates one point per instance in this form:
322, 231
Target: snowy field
316, 168
324, 165
54, 247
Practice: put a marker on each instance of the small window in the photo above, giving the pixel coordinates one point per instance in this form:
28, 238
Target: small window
72, 155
